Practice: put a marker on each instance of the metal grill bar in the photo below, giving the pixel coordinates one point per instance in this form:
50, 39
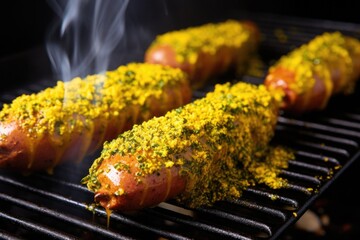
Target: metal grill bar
71, 221
326, 144
345, 143
321, 128
77, 205
33, 227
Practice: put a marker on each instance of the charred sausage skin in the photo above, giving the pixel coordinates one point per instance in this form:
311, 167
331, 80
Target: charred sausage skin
192, 153
206, 51
73, 119
131, 193
309, 75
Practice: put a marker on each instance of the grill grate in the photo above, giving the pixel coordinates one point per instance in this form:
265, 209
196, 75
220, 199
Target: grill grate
326, 144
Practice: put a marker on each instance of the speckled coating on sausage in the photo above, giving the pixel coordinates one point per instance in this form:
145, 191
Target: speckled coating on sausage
220, 142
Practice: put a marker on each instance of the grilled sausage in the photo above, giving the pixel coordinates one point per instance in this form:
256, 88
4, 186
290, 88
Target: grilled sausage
206, 51
72, 119
196, 154
309, 75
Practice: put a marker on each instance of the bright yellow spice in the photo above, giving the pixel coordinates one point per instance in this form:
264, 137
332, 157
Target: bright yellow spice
208, 38
221, 143
319, 57
73, 105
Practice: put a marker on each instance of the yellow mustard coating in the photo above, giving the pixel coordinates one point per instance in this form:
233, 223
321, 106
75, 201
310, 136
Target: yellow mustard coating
221, 143
208, 38
318, 58
73, 105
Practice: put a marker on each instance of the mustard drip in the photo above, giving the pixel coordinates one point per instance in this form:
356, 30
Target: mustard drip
31, 145
329, 87
134, 113
165, 100
59, 144
86, 143
168, 185
121, 121
59, 153
102, 137
146, 188
108, 215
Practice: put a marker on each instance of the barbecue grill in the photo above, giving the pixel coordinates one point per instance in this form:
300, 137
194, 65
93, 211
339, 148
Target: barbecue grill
57, 206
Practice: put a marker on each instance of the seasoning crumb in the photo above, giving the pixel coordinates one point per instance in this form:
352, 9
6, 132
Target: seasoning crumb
72, 106
315, 60
220, 143
208, 38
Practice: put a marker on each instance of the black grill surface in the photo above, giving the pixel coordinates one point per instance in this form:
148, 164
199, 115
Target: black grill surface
41, 206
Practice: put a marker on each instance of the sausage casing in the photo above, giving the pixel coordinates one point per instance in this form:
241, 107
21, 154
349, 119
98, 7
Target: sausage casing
309, 75
207, 50
197, 153
73, 119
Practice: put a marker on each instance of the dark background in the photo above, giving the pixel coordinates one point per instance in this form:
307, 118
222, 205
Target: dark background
24, 24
